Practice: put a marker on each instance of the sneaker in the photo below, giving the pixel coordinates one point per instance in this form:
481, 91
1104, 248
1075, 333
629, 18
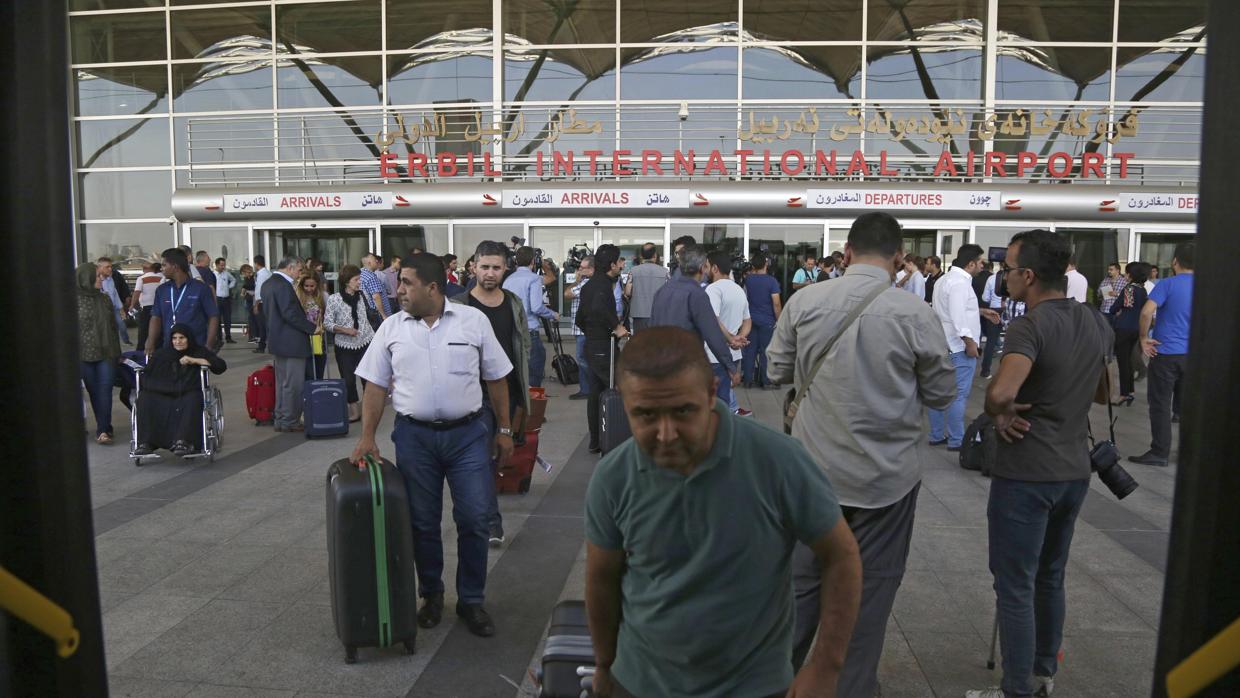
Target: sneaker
1149, 458
986, 376
476, 619
742, 412
1046, 684
497, 536
985, 693
431, 612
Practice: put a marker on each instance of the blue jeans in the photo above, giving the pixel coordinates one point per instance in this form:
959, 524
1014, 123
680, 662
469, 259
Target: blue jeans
425, 457
98, 377
583, 374
955, 412
724, 391
755, 352
538, 359
1031, 526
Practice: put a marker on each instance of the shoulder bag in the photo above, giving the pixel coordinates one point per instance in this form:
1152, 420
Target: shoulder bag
793, 399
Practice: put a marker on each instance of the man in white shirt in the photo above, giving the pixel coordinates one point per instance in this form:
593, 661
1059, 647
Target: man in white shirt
992, 325
225, 282
731, 306
956, 305
260, 276
435, 356
144, 297
1078, 285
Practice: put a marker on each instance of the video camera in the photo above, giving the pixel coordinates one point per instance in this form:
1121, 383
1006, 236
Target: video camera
516, 243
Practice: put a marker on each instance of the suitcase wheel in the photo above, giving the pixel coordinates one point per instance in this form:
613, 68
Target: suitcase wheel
409, 647
524, 485
137, 461
350, 654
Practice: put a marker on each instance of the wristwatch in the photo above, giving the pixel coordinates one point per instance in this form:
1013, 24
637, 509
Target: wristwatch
505, 431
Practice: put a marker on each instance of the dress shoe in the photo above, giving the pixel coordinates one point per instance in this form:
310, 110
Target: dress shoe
431, 612
230, 340
1149, 458
295, 427
594, 448
181, 448
953, 449
579, 396
476, 619
143, 450
940, 442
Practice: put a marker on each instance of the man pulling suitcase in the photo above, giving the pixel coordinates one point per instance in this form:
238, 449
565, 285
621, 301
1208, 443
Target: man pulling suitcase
596, 317
434, 356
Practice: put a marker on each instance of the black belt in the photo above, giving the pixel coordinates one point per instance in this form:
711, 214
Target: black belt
443, 424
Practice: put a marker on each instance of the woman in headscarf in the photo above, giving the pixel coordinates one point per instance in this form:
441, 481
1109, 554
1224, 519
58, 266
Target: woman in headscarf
170, 395
98, 346
346, 318
313, 301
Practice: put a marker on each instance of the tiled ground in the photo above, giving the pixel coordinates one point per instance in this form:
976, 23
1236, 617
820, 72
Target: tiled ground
213, 576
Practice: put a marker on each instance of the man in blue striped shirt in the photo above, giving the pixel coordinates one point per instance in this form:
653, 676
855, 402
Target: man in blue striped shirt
528, 286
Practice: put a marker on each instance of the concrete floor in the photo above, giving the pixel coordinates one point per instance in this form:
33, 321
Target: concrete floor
213, 576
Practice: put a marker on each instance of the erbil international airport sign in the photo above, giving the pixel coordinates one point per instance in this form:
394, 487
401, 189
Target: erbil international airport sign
942, 128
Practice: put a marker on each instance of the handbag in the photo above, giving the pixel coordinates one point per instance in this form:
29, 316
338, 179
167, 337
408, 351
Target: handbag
793, 399
316, 344
374, 318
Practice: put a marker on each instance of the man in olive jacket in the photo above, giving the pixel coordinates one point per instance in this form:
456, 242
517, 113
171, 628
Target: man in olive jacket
506, 314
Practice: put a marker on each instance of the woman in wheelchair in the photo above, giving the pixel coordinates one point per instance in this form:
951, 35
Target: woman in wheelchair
170, 395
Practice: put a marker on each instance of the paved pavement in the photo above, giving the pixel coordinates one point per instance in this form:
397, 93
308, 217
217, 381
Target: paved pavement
213, 577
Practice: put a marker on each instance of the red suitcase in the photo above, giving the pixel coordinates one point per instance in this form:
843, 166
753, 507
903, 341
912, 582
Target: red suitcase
260, 395
515, 477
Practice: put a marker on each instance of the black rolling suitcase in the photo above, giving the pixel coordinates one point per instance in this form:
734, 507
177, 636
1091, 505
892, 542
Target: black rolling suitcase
370, 557
325, 406
567, 651
614, 423
564, 365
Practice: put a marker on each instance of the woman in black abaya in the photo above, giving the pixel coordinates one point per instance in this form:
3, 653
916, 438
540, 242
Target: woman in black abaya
170, 399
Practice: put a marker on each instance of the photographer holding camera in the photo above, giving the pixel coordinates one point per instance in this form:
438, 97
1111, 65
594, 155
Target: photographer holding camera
1053, 360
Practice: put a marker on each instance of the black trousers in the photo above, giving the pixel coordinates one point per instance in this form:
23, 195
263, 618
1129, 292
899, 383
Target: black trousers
144, 325
598, 363
1166, 374
261, 324
347, 361
225, 306
1125, 342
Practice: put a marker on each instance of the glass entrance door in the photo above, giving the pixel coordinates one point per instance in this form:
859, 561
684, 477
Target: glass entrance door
1159, 249
334, 247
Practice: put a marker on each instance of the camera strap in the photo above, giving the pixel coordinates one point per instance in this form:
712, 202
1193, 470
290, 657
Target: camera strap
1106, 379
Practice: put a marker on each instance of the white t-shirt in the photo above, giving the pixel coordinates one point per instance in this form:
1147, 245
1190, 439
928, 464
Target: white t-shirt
145, 288
731, 306
1078, 286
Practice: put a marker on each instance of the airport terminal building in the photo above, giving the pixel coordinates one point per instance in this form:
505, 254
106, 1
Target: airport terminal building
333, 127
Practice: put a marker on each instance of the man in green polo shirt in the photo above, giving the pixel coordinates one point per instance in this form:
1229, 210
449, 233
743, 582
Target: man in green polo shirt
690, 527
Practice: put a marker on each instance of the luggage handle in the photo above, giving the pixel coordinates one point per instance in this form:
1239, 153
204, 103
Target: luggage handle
382, 592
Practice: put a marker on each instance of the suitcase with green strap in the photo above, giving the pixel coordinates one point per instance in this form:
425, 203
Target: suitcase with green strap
370, 557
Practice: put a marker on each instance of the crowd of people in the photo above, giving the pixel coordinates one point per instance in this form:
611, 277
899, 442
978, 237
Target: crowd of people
789, 587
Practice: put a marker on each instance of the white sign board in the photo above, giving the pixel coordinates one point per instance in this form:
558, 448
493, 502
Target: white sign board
904, 200
338, 201
1158, 203
561, 197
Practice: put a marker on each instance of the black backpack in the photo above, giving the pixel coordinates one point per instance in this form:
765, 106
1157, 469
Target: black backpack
980, 446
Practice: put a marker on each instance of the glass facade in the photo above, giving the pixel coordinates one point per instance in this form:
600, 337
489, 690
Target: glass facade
184, 93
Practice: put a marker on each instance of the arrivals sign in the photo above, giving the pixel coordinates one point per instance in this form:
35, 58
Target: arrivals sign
567, 197
338, 201
903, 200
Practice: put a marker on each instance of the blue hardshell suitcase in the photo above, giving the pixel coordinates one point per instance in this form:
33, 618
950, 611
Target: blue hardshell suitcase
325, 407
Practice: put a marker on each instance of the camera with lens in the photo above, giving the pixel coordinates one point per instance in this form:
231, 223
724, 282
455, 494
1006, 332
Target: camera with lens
740, 267
517, 242
576, 255
1104, 459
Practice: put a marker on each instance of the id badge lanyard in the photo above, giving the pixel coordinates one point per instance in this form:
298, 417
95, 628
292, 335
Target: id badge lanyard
176, 303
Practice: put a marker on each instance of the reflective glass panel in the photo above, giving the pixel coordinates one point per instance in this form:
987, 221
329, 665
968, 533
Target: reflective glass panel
705, 128
561, 21
413, 24
325, 137
644, 22
333, 27
466, 236
1050, 73
785, 247
121, 90
577, 74
550, 128
328, 82
802, 72
135, 36
1056, 20
803, 20
221, 86
399, 239
230, 242
222, 31
1142, 78
679, 73
87, 5
728, 237
125, 194
1155, 20
234, 139
898, 20
426, 78
1163, 133
953, 73
779, 128
123, 142
128, 244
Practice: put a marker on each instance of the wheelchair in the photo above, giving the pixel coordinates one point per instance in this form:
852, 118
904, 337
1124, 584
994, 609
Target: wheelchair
212, 418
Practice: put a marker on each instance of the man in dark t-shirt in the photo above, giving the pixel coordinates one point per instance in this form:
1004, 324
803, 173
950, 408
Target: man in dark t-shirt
762, 291
1053, 360
506, 314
